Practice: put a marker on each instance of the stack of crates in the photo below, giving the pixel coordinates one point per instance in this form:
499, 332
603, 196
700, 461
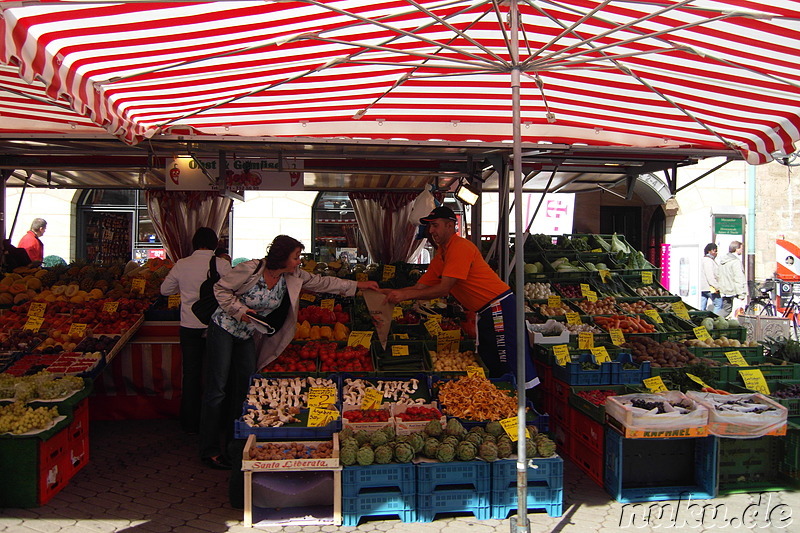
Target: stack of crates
457, 487
545, 486
379, 490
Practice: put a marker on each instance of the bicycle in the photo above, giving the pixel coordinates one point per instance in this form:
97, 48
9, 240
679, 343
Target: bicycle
761, 299
790, 311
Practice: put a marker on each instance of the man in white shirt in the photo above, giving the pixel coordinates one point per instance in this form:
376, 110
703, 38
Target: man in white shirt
185, 278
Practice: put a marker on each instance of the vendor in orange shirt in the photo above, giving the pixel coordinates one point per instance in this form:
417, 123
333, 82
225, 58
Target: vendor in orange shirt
459, 269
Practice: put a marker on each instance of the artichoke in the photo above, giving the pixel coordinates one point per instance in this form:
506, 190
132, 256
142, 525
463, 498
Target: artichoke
474, 437
490, 438
454, 428
362, 437
504, 448
378, 438
403, 452
488, 451
545, 446
383, 454
365, 456
417, 441
389, 431
430, 447
445, 453
530, 448
433, 429
451, 440
347, 456
495, 428
466, 451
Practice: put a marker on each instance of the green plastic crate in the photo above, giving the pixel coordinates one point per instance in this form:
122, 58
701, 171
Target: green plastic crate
595, 412
772, 370
750, 465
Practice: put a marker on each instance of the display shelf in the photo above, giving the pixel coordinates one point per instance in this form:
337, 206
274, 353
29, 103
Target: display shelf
293, 498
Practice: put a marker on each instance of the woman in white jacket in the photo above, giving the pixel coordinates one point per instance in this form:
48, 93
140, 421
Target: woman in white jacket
269, 288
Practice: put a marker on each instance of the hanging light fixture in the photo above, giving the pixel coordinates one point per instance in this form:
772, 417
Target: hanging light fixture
467, 194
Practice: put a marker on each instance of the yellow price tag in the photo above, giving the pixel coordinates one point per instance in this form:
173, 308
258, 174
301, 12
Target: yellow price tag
138, 285
617, 338
310, 265
585, 340
754, 380
510, 425
77, 330
321, 396
652, 313
591, 296
173, 301
736, 358
647, 277
600, 354
701, 333
399, 350
448, 340
554, 300
561, 351
679, 308
697, 380
307, 296
362, 276
401, 336
433, 326
373, 398
327, 303
573, 318
320, 416
34, 323
605, 275
597, 251
37, 309
397, 312
474, 370
360, 338
110, 307
655, 384
388, 272
585, 289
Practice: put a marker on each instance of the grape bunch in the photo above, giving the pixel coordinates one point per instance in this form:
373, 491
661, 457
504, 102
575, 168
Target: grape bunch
792, 391
648, 406
17, 418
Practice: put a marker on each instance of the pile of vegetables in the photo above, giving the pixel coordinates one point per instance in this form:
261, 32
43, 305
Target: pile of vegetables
452, 360
637, 308
537, 291
660, 354
783, 348
603, 306
628, 324
277, 451
476, 398
547, 310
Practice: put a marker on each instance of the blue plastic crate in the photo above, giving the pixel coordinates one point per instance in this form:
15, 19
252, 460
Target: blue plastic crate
549, 471
453, 501
647, 470
378, 504
435, 476
624, 376
389, 476
573, 374
542, 498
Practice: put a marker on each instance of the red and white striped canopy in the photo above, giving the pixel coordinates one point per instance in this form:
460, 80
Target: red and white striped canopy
649, 73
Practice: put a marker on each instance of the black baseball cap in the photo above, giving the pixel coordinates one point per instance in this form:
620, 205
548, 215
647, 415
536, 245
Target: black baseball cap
440, 212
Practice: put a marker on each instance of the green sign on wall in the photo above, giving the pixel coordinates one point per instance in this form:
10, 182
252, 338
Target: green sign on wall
729, 225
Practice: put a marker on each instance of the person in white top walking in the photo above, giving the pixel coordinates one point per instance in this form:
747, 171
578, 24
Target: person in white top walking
709, 286
185, 279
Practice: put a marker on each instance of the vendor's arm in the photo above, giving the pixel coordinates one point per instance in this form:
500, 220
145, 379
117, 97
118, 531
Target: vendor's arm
422, 292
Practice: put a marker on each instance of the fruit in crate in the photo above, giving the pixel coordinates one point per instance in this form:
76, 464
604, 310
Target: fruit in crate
17, 418
276, 451
420, 413
321, 315
366, 415
452, 360
347, 359
408, 318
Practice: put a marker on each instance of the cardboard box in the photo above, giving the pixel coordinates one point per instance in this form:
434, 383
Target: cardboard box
250, 465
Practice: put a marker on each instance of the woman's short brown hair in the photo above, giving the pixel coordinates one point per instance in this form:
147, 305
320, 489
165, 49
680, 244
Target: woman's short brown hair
278, 252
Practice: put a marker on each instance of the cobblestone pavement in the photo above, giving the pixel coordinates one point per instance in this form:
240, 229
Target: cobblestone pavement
144, 476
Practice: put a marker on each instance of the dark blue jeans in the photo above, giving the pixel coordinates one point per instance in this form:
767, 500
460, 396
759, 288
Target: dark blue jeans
193, 348
230, 363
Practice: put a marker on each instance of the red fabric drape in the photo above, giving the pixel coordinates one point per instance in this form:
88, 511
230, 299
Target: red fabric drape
176, 215
383, 218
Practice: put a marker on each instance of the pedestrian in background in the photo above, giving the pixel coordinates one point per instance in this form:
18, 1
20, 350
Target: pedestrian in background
709, 285
732, 283
185, 278
31, 242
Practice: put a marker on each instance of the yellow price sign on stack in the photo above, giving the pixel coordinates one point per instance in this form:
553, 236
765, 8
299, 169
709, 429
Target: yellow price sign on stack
679, 308
388, 272
655, 384
321, 396
307, 296
397, 312
701, 333
448, 340
561, 351
138, 285
173, 301
652, 313
647, 277
511, 426
373, 398
362, 276
554, 300
585, 289
600, 354
110, 307
573, 318
37, 309
591, 296
360, 338
585, 340
697, 380
736, 358
754, 380
434, 326
77, 330
605, 275
327, 303
321, 416
617, 338
399, 350
475, 370
34, 323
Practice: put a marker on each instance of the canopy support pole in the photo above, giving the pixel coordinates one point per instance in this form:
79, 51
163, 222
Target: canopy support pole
520, 525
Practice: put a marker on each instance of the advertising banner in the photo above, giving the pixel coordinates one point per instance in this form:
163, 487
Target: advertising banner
186, 173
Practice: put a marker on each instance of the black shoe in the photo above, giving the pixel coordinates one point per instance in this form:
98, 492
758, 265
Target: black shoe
218, 463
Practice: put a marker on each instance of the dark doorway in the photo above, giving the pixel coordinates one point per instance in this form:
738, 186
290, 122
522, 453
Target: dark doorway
625, 221
656, 231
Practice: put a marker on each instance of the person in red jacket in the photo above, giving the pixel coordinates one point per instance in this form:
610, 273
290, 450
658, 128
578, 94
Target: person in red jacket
31, 243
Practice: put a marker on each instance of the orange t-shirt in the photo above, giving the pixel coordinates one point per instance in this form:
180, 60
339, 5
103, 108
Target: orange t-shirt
477, 284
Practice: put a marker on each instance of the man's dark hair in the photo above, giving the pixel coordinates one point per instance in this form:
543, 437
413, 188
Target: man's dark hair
204, 238
709, 247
